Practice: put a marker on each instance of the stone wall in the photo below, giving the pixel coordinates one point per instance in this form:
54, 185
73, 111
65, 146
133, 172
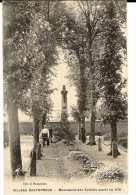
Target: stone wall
27, 128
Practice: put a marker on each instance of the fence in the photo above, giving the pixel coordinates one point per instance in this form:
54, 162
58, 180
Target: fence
114, 147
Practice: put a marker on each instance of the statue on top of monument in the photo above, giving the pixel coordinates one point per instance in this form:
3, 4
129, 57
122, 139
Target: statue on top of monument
64, 93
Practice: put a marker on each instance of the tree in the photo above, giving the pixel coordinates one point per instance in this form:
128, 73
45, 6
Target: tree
22, 55
111, 83
35, 103
82, 37
73, 42
38, 103
93, 16
77, 76
52, 11
60, 19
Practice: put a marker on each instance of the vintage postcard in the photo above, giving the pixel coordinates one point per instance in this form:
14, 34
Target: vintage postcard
65, 97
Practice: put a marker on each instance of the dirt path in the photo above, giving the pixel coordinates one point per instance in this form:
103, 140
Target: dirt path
57, 166
54, 166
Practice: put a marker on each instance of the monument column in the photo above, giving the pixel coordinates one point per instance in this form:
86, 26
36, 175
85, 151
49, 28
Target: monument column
64, 111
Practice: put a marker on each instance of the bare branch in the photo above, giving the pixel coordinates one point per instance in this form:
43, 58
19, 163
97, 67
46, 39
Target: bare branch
84, 12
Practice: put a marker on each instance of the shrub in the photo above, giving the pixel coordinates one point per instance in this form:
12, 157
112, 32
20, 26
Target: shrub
106, 137
112, 175
123, 142
60, 134
122, 138
99, 133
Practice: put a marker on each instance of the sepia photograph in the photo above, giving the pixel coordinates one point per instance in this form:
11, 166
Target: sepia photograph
65, 97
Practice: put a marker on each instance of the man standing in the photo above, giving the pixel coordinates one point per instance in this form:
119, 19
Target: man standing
83, 134
45, 135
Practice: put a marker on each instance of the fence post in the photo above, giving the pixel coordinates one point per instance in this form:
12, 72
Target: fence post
33, 163
99, 144
114, 149
90, 140
41, 142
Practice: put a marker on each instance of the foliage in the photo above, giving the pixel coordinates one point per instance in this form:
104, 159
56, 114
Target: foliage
49, 42
33, 56
112, 175
122, 138
83, 29
32, 32
93, 18
37, 100
22, 51
77, 115
63, 131
60, 134
111, 83
75, 43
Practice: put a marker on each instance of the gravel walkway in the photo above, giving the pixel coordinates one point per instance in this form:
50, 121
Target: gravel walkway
57, 167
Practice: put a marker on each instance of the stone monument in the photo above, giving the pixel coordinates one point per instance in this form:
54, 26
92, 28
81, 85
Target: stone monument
64, 124
64, 112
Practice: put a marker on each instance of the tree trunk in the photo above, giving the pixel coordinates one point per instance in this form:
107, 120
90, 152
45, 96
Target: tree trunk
79, 125
83, 121
35, 148
35, 132
40, 126
93, 124
43, 120
113, 126
36, 138
82, 102
13, 128
92, 86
